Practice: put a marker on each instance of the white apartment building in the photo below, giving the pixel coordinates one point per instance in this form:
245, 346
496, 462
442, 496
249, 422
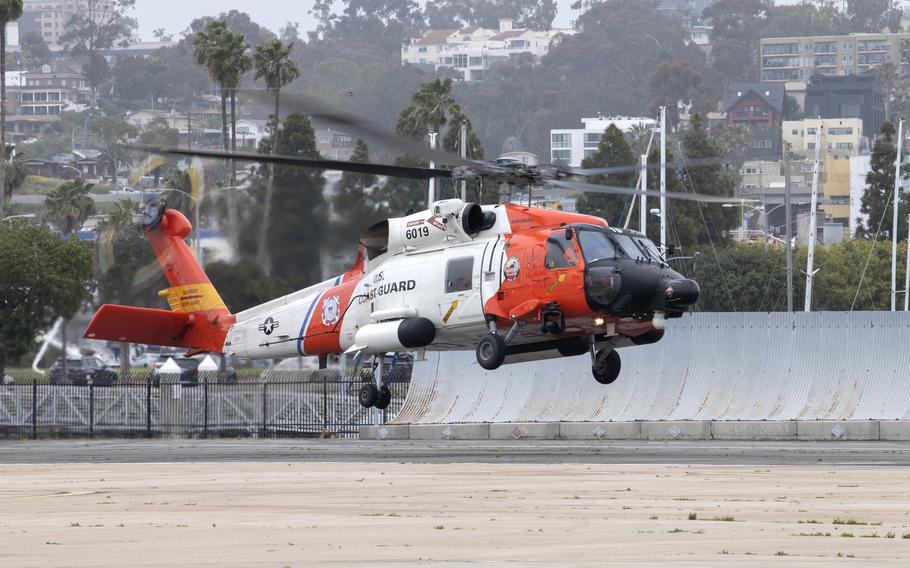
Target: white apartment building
571, 146
50, 16
472, 51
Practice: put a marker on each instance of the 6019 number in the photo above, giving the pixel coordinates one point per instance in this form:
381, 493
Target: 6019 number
417, 232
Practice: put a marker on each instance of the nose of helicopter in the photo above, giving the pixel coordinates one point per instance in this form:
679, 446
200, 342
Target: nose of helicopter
681, 293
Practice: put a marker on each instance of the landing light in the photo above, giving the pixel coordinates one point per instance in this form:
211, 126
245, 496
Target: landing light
598, 321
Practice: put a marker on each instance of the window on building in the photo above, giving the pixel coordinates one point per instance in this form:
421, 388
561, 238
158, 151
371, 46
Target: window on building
811, 145
794, 132
849, 110
475, 61
459, 272
460, 60
562, 155
561, 140
750, 171
589, 152
844, 145
811, 131
592, 139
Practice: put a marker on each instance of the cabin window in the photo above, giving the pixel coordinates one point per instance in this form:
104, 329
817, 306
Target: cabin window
560, 252
459, 272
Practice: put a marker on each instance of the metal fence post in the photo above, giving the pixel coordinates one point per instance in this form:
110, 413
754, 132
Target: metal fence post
35, 408
205, 406
148, 408
91, 410
265, 409
325, 402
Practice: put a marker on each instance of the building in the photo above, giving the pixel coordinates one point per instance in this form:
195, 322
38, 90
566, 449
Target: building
760, 107
689, 14
841, 137
798, 58
36, 99
847, 96
836, 194
49, 17
334, 145
765, 182
470, 52
860, 166
571, 146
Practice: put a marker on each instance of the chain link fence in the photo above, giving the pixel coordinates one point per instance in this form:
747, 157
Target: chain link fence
248, 402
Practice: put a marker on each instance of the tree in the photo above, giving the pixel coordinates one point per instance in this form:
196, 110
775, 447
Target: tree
741, 277
738, 27
136, 78
95, 26
244, 284
297, 233
431, 110
43, 278
873, 16
34, 50
10, 10
238, 22
677, 80
210, 49
693, 223
613, 150
878, 198
353, 210
159, 133
273, 63
113, 134
14, 174
533, 14
69, 205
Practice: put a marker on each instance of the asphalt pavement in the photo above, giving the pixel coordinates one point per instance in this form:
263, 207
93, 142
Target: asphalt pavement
841, 453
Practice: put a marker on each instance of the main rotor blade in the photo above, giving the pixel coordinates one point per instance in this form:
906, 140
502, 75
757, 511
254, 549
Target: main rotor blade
412, 172
265, 102
651, 166
613, 190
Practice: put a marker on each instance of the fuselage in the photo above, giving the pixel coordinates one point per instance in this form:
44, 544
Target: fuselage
507, 264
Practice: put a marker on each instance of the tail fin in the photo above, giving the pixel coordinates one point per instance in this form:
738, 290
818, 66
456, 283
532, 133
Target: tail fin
198, 319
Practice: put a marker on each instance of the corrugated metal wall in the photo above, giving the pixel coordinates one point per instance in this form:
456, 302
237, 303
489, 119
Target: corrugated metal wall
709, 366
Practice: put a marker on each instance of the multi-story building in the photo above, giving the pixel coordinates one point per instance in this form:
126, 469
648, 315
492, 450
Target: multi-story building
49, 17
835, 194
798, 58
470, 52
765, 182
571, 146
841, 137
334, 145
847, 96
759, 107
36, 99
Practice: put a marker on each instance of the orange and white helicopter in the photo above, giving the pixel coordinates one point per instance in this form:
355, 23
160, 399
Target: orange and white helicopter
514, 283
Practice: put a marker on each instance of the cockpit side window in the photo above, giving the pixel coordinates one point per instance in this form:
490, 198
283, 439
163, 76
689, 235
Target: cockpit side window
596, 245
560, 252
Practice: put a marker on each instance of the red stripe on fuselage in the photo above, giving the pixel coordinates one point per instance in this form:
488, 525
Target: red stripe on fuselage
322, 335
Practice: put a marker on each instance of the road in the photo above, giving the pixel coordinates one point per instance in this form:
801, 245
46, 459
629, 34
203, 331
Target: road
511, 452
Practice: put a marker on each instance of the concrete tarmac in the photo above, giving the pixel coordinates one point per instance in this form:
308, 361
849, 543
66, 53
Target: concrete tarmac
454, 451
290, 503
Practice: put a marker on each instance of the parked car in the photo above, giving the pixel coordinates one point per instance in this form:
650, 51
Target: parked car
189, 371
84, 371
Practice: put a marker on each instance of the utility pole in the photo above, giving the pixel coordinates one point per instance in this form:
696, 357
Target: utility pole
897, 198
643, 199
464, 154
813, 220
663, 181
789, 232
431, 195
742, 220
907, 271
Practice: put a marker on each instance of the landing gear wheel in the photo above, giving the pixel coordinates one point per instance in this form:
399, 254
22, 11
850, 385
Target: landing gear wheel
384, 399
491, 351
606, 366
368, 395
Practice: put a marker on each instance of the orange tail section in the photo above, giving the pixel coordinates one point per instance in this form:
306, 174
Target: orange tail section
198, 319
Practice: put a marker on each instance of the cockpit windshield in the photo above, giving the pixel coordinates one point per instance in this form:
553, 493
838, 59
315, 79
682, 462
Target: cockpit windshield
597, 245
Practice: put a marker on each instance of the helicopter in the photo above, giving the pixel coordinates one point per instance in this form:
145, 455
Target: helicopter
512, 282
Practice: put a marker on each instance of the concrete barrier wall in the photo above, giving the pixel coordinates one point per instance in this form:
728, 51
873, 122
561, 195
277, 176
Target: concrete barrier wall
830, 366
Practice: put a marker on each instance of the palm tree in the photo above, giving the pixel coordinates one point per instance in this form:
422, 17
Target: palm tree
10, 10
273, 63
209, 51
432, 108
69, 205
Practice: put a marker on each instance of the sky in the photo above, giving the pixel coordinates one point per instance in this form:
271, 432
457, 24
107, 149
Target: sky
175, 15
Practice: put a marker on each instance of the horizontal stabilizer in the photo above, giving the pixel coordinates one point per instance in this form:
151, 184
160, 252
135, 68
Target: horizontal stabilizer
139, 325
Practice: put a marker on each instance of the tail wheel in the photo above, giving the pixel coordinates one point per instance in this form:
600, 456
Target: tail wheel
606, 366
491, 351
368, 395
384, 398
